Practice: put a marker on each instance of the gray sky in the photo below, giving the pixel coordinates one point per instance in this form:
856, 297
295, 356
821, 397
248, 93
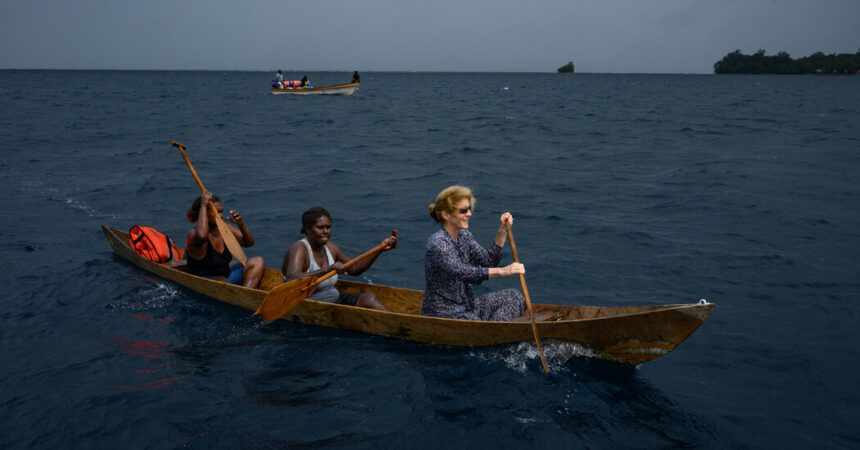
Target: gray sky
622, 36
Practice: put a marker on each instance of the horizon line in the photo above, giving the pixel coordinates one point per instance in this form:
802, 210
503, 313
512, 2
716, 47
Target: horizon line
352, 70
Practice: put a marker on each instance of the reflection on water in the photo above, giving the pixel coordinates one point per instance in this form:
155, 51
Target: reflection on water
147, 312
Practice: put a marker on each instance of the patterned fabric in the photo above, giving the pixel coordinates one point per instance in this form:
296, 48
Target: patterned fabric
450, 269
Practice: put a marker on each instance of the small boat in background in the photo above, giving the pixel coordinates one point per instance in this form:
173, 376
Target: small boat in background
337, 89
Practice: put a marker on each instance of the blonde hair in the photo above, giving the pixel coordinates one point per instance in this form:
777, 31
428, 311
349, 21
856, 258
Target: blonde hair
446, 200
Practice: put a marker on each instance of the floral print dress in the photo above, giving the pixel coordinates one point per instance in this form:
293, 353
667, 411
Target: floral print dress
450, 269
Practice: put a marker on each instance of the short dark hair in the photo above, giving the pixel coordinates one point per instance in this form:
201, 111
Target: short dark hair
310, 217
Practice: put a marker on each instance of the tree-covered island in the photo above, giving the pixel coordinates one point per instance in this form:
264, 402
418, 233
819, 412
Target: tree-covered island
567, 68
781, 63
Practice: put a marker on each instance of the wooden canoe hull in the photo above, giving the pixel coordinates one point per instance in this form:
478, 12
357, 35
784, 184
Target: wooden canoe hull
627, 334
338, 89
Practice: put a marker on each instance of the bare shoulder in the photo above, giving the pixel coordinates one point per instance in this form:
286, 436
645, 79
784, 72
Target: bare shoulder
297, 248
336, 252
295, 259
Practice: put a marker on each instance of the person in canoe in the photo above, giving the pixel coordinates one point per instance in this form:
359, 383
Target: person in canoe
305, 83
316, 255
453, 261
355, 77
206, 252
279, 79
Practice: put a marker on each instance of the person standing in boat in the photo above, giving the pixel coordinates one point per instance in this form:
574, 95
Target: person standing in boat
279, 79
453, 261
355, 77
206, 252
316, 255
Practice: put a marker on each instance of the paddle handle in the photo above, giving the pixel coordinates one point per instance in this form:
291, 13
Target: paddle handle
526, 295
190, 166
229, 239
193, 172
358, 258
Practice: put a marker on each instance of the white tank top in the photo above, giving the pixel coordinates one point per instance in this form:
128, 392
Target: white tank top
325, 291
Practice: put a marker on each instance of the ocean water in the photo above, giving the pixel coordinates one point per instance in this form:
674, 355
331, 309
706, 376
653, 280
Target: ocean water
625, 190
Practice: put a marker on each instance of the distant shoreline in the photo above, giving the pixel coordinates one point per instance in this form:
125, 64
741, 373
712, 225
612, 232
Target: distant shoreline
782, 64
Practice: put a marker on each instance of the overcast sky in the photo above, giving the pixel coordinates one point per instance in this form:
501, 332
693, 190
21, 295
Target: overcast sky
621, 36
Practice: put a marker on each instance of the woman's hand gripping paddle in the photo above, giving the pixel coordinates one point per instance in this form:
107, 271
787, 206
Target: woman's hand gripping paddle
226, 233
287, 296
526, 294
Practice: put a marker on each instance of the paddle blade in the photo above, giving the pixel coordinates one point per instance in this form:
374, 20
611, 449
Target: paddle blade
230, 241
285, 297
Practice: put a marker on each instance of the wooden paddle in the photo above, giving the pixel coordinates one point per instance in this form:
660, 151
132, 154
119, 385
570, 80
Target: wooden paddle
526, 294
287, 296
226, 233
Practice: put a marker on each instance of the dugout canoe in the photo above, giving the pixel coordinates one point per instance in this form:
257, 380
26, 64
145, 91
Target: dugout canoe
338, 89
625, 334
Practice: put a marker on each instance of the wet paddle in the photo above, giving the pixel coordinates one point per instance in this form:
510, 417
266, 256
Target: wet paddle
526, 294
287, 296
226, 234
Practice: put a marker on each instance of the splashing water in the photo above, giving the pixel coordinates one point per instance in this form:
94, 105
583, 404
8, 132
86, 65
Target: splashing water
517, 356
152, 298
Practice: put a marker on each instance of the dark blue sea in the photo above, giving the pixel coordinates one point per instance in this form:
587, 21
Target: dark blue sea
625, 190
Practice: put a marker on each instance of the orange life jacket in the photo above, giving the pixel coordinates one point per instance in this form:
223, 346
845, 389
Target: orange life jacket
153, 244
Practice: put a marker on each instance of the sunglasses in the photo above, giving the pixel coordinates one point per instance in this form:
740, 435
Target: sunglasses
464, 210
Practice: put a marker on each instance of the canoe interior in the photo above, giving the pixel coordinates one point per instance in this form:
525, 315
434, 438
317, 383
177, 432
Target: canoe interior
408, 301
